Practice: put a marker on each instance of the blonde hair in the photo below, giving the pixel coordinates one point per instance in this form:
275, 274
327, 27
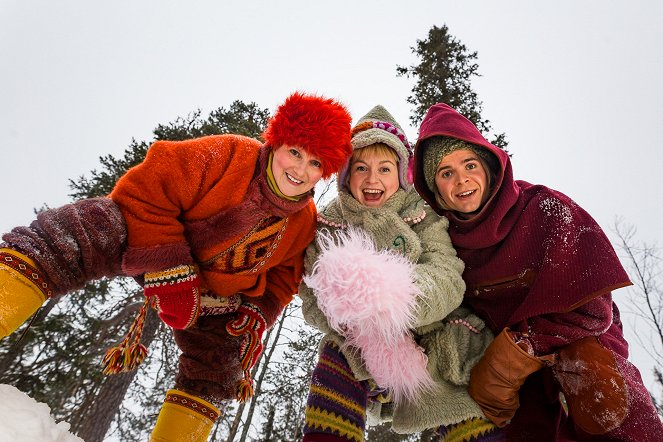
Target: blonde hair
373, 149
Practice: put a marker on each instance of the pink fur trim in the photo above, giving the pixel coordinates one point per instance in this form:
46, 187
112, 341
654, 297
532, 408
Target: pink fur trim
400, 367
369, 296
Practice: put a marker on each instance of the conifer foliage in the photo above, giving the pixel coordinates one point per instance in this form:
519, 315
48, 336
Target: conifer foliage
444, 75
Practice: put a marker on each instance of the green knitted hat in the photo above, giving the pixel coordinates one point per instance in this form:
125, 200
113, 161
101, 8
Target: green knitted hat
379, 126
436, 148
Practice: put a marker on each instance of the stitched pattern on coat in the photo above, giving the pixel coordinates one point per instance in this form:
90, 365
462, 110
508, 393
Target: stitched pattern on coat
252, 251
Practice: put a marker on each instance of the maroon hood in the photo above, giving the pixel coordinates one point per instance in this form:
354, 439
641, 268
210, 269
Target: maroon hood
530, 250
442, 120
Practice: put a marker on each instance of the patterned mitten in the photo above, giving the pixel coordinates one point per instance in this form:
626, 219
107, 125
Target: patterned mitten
177, 295
253, 317
251, 323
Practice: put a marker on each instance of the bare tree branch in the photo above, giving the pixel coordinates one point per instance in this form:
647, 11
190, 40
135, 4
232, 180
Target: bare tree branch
643, 263
644, 266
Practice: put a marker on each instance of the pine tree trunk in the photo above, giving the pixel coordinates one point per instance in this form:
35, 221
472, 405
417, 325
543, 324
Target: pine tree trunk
97, 413
269, 425
263, 370
240, 410
236, 422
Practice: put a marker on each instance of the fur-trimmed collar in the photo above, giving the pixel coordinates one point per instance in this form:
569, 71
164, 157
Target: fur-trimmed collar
344, 210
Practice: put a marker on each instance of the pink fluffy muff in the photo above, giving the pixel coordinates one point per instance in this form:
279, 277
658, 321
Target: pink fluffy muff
369, 296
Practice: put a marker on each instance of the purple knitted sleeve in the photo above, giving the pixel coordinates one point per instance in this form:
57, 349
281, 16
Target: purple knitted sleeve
75, 243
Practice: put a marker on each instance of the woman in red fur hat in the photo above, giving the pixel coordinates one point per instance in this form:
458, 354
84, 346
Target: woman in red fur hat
216, 229
540, 271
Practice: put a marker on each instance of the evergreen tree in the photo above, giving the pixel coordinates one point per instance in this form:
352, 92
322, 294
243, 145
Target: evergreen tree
444, 74
240, 118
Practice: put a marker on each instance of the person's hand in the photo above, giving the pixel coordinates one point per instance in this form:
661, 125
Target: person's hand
497, 377
177, 295
594, 389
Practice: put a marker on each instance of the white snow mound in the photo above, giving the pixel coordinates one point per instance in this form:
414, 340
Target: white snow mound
26, 420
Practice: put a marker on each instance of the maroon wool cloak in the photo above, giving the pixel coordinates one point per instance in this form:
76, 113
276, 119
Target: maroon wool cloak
531, 250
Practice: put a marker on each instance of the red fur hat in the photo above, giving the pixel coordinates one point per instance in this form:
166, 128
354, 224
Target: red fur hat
319, 125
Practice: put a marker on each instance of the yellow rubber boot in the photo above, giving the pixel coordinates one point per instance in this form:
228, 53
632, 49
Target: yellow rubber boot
184, 418
23, 290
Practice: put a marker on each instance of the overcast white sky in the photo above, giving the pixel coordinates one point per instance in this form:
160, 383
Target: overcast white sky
576, 85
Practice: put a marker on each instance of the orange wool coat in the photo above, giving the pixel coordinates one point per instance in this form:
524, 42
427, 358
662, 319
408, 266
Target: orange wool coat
206, 202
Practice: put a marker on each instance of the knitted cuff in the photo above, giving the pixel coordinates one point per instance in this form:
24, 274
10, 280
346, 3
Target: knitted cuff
177, 295
211, 304
139, 260
473, 429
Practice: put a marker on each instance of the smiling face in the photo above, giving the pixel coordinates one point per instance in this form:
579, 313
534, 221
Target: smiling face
373, 175
462, 181
295, 170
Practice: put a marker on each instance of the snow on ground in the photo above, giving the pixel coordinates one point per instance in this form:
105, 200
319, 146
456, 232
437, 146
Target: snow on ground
26, 420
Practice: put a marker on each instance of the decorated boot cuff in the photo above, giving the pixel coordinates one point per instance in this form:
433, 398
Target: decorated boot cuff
193, 403
27, 269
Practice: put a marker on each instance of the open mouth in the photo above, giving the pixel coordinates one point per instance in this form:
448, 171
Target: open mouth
466, 194
372, 194
293, 179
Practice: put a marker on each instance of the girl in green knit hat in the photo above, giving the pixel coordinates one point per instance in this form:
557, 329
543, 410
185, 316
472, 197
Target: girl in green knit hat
384, 284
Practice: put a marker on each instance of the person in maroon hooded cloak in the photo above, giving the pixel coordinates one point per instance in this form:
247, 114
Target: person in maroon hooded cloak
540, 272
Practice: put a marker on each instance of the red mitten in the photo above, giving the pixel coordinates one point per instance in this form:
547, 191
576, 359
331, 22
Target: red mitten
177, 295
253, 317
